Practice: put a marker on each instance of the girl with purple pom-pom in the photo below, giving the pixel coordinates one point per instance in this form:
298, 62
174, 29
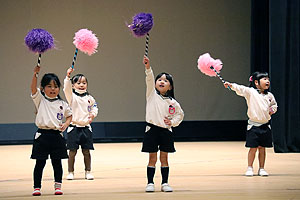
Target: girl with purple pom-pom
261, 106
49, 140
162, 113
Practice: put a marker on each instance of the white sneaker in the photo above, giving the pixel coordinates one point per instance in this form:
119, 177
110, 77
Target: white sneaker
88, 175
150, 187
166, 188
70, 176
249, 172
262, 172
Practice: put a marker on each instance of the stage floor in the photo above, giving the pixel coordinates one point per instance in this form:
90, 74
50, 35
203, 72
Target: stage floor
198, 170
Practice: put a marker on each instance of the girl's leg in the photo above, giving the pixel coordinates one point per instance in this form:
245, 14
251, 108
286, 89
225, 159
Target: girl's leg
261, 156
151, 167
58, 170
251, 156
262, 159
164, 167
38, 172
71, 160
87, 164
87, 159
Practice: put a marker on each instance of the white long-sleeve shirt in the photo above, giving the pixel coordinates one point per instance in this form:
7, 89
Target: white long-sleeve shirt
50, 113
259, 105
159, 107
81, 106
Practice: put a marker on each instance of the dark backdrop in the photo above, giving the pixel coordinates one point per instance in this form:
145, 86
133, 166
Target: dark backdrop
275, 49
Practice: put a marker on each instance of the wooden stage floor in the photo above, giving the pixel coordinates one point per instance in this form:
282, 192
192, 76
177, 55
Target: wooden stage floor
198, 170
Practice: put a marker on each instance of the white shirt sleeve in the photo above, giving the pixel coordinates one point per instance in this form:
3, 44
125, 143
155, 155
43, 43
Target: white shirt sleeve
37, 98
94, 108
273, 104
68, 90
149, 82
68, 110
177, 119
241, 90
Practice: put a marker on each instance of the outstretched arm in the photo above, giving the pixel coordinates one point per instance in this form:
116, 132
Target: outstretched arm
34, 80
227, 84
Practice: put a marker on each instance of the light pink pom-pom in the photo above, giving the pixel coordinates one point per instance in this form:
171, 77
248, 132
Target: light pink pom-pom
205, 62
86, 41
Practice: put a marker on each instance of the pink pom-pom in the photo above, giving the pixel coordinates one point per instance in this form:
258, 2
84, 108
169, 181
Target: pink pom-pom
205, 62
86, 41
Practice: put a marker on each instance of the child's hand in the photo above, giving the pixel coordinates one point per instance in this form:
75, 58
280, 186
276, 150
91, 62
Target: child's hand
69, 71
63, 126
36, 69
146, 62
226, 84
271, 111
167, 121
91, 118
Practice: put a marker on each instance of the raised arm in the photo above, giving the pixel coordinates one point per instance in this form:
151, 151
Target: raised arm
149, 77
68, 86
146, 62
34, 80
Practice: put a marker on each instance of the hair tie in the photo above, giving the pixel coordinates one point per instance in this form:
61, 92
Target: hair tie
250, 79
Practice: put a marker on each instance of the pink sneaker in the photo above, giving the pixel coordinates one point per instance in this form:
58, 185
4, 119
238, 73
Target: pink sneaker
57, 187
36, 192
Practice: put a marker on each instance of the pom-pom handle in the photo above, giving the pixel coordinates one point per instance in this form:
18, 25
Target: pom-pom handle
74, 59
220, 77
147, 44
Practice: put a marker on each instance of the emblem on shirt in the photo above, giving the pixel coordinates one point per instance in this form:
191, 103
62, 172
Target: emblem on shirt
60, 116
171, 109
89, 108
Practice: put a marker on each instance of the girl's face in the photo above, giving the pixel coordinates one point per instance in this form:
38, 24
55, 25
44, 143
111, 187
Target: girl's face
163, 85
52, 89
81, 84
264, 84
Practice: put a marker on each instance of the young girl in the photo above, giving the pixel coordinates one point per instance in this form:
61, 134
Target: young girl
162, 113
261, 105
84, 109
49, 139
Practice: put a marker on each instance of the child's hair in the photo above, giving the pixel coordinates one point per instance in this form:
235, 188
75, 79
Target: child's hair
169, 77
47, 78
77, 77
257, 76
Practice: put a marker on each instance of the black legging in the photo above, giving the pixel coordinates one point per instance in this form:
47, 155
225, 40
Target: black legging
38, 171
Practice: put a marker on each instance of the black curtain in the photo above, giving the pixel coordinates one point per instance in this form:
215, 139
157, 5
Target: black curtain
283, 58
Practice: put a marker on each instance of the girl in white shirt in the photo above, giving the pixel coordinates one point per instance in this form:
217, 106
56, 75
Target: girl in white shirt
162, 113
261, 105
79, 133
49, 140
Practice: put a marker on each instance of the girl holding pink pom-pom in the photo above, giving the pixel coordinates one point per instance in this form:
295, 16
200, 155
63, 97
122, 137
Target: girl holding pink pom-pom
83, 105
79, 132
261, 105
162, 113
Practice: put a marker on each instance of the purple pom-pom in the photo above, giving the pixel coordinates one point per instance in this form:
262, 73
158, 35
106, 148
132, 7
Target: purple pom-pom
142, 23
39, 40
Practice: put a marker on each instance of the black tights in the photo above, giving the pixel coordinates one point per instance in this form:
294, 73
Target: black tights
38, 171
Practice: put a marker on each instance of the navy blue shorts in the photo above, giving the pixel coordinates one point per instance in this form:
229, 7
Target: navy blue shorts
158, 138
49, 142
80, 136
259, 136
